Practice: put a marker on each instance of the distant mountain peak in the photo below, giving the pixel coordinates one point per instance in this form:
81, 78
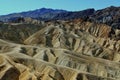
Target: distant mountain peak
48, 14
109, 15
49, 9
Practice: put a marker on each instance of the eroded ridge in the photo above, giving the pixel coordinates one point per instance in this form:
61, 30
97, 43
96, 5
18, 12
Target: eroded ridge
61, 50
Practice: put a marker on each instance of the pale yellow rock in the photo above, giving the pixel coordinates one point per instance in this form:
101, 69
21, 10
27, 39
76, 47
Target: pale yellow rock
60, 50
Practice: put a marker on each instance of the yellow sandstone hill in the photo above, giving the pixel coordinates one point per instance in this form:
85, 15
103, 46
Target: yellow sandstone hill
60, 50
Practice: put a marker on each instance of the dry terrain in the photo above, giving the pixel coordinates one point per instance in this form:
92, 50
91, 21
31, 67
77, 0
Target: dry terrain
59, 50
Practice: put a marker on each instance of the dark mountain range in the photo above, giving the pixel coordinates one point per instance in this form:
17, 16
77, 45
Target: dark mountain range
33, 14
75, 15
47, 14
109, 15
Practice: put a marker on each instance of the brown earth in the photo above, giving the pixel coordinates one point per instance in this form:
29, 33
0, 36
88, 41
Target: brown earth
59, 50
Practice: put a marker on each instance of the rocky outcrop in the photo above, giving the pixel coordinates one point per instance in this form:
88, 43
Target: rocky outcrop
30, 69
60, 50
38, 63
18, 32
109, 16
84, 37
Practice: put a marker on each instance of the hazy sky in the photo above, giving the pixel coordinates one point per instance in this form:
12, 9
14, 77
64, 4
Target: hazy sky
12, 6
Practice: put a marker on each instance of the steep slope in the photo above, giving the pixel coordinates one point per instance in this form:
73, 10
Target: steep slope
109, 16
59, 50
18, 32
12, 70
87, 38
32, 62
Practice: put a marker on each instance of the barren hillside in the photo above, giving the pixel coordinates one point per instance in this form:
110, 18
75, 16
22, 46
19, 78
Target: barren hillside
59, 50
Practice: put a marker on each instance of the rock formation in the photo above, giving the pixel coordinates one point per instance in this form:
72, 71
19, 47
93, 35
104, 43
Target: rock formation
59, 50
